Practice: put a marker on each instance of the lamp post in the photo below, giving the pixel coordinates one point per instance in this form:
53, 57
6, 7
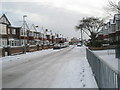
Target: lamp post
43, 37
24, 27
24, 22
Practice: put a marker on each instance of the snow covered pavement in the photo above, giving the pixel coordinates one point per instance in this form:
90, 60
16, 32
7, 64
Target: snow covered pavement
66, 68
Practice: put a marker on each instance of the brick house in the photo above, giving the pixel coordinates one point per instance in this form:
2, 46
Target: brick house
53, 38
49, 37
10, 36
111, 30
13, 36
4, 23
33, 35
116, 20
24, 34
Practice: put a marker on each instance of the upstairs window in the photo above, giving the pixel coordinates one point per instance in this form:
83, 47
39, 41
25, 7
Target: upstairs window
8, 30
13, 31
23, 32
3, 29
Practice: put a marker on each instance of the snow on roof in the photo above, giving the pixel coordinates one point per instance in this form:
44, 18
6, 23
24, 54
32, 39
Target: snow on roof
33, 28
60, 36
38, 29
116, 17
48, 33
25, 25
111, 21
53, 34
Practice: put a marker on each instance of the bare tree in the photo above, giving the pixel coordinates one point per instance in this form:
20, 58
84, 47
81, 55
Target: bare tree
91, 26
112, 7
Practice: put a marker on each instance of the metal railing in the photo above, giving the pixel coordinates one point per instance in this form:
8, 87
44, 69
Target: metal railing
106, 76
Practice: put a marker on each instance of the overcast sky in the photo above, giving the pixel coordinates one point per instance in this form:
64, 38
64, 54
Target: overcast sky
60, 16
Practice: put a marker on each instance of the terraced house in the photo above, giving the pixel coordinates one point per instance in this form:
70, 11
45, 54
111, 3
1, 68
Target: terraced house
23, 39
4, 25
111, 31
10, 35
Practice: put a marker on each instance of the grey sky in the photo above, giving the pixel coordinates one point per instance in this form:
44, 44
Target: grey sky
60, 16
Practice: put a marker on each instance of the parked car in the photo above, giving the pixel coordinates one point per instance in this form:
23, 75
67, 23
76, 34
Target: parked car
62, 45
79, 44
66, 44
57, 46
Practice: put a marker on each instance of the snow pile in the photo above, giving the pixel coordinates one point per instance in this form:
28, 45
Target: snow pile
28, 55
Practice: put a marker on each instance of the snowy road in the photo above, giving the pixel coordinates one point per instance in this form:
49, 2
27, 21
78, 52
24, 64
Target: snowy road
66, 68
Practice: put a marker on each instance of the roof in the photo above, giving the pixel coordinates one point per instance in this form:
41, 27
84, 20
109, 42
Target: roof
33, 28
25, 26
116, 17
4, 19
14, 27
48, 33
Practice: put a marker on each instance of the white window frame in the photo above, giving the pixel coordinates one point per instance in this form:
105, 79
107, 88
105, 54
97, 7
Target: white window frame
3, 29
13, 31
14, 43
8, 30
3, 42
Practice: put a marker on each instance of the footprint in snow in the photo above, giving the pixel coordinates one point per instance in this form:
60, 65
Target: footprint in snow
81, 80
83, 76
84, 85
80, 73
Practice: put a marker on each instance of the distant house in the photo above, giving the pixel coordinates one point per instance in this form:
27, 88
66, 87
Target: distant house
53, 38
24, 34
43, 38
13, 36
32, 35
58, 39
49, 37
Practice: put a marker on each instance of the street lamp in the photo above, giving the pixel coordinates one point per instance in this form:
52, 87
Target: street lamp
43, 36
24, 27
24, 22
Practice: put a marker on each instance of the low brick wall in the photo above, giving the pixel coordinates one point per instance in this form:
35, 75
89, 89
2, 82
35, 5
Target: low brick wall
40, 47
50, 46
22, 49
44, 47
33, 48
14, 50
2, 52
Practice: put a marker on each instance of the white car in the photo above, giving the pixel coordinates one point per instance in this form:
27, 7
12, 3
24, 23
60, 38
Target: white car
79, 44
57, 46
